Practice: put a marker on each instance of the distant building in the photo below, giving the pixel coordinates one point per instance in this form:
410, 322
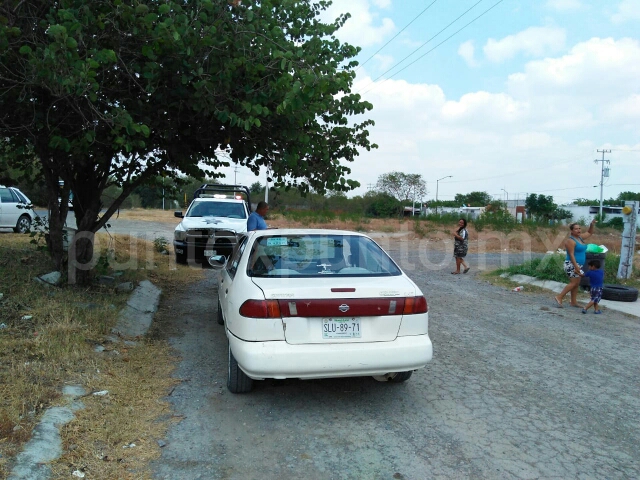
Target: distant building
468, 212
585, 213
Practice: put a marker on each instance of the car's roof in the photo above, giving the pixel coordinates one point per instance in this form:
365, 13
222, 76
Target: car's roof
306, 231
213, 199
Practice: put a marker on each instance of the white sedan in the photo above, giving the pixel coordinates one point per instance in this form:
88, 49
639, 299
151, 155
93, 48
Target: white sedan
303, 303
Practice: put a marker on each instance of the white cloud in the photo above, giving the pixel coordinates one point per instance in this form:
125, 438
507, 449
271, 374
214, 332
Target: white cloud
487, 109
564, 5
534, 41
382, 3
365, 27
598, 69
551, 116
467, 51
625, 114
628, 10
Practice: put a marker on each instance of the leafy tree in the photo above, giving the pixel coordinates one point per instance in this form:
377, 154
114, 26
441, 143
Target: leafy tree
561, 214
115, 93
628, 196
496, 208
540, 206
383, 205
402, 186
256, 188
473, 199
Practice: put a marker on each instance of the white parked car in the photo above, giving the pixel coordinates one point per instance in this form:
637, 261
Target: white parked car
304, 303
13, 211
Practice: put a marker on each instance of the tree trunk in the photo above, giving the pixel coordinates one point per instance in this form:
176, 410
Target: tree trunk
86, 209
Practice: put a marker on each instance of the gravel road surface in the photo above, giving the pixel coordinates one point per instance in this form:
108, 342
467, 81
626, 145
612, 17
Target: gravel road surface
516, 389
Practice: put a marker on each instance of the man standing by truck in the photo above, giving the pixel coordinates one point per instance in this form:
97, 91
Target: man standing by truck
256, 219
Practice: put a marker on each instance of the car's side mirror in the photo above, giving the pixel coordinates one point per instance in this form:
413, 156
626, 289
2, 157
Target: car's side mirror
177, 214
218, 262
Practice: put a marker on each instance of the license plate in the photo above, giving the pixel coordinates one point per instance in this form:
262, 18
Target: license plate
209, 253
341, 328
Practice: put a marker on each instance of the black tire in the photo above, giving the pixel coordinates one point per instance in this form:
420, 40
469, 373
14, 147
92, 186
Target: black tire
219, 316
619, 293
401, 377
237, 380
181, 259
397, 377
23, 225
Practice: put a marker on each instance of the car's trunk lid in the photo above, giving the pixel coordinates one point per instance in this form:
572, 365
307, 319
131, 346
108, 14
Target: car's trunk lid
339, 310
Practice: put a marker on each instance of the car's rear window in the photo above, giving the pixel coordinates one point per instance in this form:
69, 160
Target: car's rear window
319, 255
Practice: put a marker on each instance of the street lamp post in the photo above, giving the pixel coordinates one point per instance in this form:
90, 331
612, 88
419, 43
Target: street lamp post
507, 196
448, 176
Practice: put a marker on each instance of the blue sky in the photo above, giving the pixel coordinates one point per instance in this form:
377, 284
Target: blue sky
517, 102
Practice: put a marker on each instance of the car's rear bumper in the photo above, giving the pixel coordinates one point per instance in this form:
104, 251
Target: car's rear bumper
278, 359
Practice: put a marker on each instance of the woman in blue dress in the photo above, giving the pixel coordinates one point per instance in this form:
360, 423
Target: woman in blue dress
576, 257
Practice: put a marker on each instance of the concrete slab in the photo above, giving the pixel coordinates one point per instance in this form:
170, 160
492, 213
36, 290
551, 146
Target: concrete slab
46, 444
630, 308
135, 319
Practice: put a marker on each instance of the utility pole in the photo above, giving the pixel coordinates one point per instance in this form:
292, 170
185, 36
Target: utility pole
448, 176
602, 175
628, 247
266, 188
235, 175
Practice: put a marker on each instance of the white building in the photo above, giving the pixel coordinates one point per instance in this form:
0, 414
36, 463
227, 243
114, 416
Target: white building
579, 212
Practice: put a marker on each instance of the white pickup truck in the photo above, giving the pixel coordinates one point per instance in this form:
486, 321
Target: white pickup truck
211, 225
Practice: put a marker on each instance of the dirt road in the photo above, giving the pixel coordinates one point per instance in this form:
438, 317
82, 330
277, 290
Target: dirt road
516, 389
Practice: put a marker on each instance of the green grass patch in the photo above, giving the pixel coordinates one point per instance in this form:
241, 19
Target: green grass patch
550, 267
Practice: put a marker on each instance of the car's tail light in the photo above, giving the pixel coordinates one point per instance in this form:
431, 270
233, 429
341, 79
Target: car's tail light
260, 309
413, 305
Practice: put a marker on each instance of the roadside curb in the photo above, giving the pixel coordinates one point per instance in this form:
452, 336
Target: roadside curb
630, 308
135, 319
45, 444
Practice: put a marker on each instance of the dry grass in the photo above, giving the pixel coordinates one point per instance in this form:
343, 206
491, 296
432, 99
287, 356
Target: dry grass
48, 341
148, 215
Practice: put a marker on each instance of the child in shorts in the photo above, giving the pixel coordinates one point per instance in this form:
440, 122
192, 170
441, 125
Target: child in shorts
596, 278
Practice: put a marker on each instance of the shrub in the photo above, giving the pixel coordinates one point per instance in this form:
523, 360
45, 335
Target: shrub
160, 244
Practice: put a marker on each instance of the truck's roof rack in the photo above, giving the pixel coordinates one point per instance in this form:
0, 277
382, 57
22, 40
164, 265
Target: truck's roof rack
211, 189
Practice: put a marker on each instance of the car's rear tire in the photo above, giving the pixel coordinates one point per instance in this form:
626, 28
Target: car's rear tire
394, 377
619, 293
219, 316
23, 225
237, 380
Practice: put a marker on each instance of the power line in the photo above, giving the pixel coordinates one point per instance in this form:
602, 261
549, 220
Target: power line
426, 53
450, 36
395, 36
560, 189
398, 63
555, 164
